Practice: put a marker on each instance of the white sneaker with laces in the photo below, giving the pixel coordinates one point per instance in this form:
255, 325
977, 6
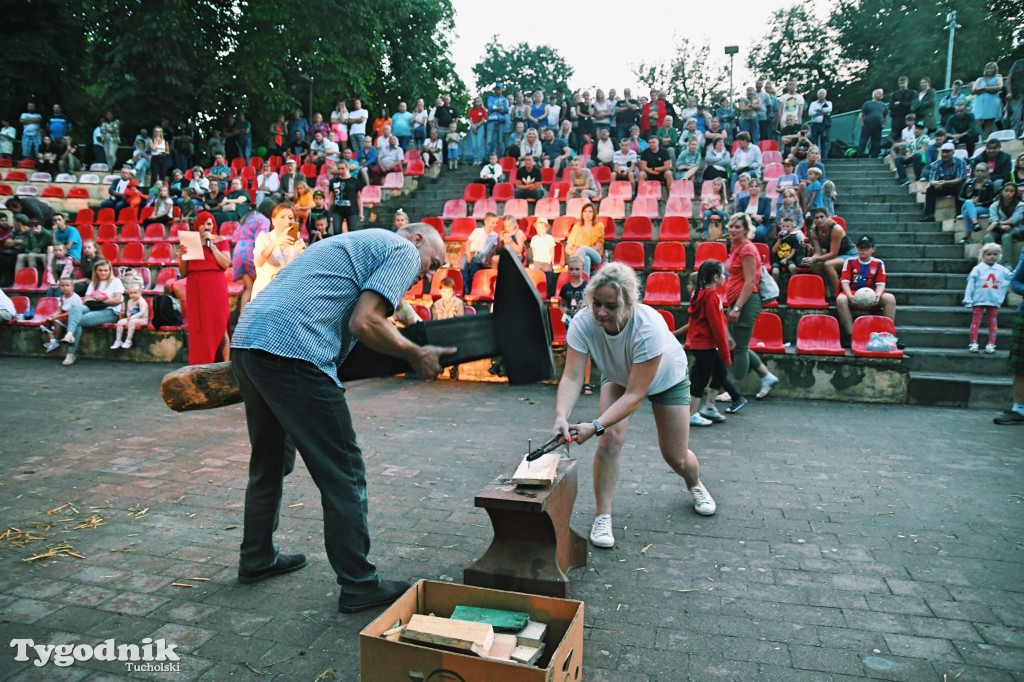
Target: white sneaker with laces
127, 344
52, 345
703, 503
697, 420
767, 384
601, 533
973, 348
117, 344
711, 412
990, 348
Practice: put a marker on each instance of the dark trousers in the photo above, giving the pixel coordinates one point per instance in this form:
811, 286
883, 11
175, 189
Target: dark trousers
872, 135
707, 369
820, 138
915, 161
352, 219
292, 399
945, 191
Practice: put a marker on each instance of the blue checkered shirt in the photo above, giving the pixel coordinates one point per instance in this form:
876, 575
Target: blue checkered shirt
954, 170
304, 312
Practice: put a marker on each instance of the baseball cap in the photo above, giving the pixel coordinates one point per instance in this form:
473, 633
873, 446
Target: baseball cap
948, 147
290, 162
498, 85
318, 193
866, 240
919, 124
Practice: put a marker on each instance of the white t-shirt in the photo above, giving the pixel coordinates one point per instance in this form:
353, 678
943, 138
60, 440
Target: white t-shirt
553, 112
110, 287
357, 128
645, 336
790, 105
543, 248
66, 303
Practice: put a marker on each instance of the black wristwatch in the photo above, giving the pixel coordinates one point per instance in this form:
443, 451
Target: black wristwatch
598, 429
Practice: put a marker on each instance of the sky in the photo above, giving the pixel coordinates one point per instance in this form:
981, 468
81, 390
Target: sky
600, 45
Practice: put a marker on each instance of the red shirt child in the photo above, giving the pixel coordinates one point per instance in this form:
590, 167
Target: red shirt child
707, 325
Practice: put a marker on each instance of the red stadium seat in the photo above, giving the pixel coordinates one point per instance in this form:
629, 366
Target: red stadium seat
818, 335
127, 215
413, 155
134, 253
130, 232
768, 145
516, 207
527, 226
482, 207
841, 222
238, 164
415, 167
107, 232
669, 318
6, 163
602, 174
20, 303
105, 215
17, 175
709, 251
773, 171
163, 276
615, 208
547, 208
5, 190
110, 251
574, 207
172, 231
308, 169
229, 229
154, 233
638, 227
662, 288
474, 191
393, 181
415, 291
435, 283
609, 227
631, 254
772, 156
45, 307
508, 165
561, 226
764, 251
547, 176
669, 256
454, 208
78, 193
159, 254
767, 335
806, 291
85, 232
682, 188
649, 188
503, 191
84, 217
434, 222
679, 206
675, 228
540, 280
371, 195
422, 311
248, 173
620, 189
53, 192
645, 206
483, 285
557, 326
862, 329
461, 229
26, 279
559, 191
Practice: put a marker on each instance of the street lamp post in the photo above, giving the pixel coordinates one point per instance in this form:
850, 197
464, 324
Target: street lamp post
952, 27
731, 50
305, 77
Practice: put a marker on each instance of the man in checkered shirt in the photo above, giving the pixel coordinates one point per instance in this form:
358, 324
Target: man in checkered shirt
945, 178
286, 351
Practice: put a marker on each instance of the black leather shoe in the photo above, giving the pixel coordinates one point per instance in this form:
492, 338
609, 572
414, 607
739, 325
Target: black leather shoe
386, 593
930, 218
286, 563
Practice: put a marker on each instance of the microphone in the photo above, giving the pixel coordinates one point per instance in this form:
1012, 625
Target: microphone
209, 244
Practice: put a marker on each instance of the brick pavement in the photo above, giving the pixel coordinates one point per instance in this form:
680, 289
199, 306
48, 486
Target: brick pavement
851, 541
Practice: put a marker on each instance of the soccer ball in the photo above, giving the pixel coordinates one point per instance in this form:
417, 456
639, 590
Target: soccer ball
865, 297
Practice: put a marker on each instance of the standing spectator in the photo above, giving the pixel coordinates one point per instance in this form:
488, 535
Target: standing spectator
1006, 220
97, 144
59, 124
206, 293
627, 112
477, 132
604, 112
159, 151
923, 105
1015, 97
708, 339
899, 106
820, 115
356, 121
243, 263
318, 126
554, 112
962, 128
401, 126
749, 107
298, 123
944, 180
497, 111
537, 115
791, 103
872, 119
419, 125
585, 116
31, 132
1015, 415
220, 172
8, 136
771, 111
948, 104
276, 141
987, 107
276, 248
443, 117
986, 290
100, 305
110, 129
346, 199
243, 137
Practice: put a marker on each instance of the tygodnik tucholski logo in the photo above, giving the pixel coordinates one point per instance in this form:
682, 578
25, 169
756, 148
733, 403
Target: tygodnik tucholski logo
149, 656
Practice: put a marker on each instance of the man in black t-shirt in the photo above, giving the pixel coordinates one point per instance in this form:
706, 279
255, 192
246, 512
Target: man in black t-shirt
656, 164
346, 199
528, 180
627, 111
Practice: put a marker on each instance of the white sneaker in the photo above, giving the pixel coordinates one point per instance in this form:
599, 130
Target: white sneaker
127, 344
990, 348
703, 503
117, 344
69, 359
697, 420
767, 384
51, 345
601, 533
973, 348
711, 412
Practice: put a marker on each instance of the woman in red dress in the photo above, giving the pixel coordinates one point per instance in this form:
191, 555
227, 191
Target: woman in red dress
206, 293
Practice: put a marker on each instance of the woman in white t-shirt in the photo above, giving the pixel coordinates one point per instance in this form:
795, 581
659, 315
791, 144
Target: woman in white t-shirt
638, 356
100, 305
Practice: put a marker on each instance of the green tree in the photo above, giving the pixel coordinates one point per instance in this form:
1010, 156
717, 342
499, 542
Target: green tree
522, 68
691, 72
797, 45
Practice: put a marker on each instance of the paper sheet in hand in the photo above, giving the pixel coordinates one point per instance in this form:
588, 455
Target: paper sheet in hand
191, 241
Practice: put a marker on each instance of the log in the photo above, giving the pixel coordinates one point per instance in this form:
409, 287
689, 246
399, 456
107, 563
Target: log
457, 635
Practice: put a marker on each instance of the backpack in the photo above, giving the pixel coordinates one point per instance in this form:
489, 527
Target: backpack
768, 288
166, 312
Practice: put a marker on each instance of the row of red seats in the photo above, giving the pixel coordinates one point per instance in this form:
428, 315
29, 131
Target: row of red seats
48, 305
129, 214
550, 208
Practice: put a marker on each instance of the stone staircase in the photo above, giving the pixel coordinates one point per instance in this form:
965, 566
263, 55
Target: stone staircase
926, 272
426, 198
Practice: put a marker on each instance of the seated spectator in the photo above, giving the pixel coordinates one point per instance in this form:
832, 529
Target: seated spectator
59, 265
56, 322
626, 164
715, 132
214, 199
586, 239
220, 172
788, 177
30, 240
46, 156
688, 161
948, 104
962, 128
199, 184
516, 139
383, 141
480, 246
176, 184
911, 153
977, 195
944, 180
759, 208
303, 203
906, 133
317, 150
788, 134
445, 308
267, 184
581, 182
163, 207
999, 163
1016, 176
788, 249
390, 161
139, 162
714, 204
747, 157
528, 180
531, 146
235, 205
813, 160
636, 142
604, 149
367, 156
555, 152
655, 164
831, 248
136, 314
100, 305
492, 173
298, 146
668, 136
512, 237
717, 161
931, 153
789, 205
742, 186
565, 132
67, 158
453, 141
1006, 221
187, 205
691, 131
863, 271
122, 191
67, 235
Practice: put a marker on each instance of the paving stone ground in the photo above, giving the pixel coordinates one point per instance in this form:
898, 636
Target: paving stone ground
851, 541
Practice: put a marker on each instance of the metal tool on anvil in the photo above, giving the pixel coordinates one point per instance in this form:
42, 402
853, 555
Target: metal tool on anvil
556, 442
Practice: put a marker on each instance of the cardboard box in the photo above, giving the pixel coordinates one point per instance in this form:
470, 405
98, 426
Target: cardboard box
383, 661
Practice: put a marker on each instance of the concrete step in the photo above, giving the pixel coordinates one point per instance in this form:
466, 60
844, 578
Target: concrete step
927, 359
949, 337
946, 252
921, 265
956, 389
885, 235
956, 316
924, 280
926, 297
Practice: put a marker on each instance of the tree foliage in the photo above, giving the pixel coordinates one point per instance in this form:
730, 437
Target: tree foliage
522, 68
691, 72
798, 45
